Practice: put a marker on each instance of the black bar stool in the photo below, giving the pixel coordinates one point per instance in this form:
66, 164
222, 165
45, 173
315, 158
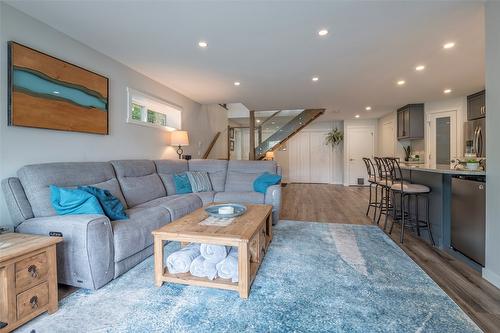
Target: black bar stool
385, 183
402, 190
372, 180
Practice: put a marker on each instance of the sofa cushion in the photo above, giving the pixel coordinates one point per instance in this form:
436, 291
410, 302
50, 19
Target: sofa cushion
199, 180
239, 197
206, 197
216, 169
167, 169
177, 205
37, 178
182, 184
241, 174
139, 181
134, 234
74, 202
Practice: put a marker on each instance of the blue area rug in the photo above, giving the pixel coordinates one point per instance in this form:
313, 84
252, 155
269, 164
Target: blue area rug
315, 278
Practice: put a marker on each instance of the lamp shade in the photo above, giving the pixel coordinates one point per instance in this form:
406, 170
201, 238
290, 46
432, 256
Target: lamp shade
269, 155
179, 138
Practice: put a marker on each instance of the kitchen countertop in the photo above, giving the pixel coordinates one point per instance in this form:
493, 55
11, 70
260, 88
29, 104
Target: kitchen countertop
443, 169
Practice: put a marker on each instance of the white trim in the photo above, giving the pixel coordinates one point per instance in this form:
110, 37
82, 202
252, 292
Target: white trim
491, 276
154, 103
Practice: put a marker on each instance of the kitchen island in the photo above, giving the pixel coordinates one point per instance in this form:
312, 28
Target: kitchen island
439, 179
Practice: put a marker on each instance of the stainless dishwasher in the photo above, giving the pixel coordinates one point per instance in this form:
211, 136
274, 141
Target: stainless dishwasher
468, 216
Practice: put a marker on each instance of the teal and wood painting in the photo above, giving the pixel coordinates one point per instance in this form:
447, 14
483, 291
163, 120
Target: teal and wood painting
46, 92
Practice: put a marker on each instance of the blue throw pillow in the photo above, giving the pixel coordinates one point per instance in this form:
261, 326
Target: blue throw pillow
112, 206
182, 184
73, 201
264, 181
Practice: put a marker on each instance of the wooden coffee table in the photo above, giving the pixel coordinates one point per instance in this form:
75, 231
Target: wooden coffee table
251, 233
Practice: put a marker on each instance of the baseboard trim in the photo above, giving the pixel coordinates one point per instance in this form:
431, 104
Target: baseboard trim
491, 277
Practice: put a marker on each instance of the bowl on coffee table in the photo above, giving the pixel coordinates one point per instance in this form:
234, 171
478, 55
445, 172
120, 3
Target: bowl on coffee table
228, 210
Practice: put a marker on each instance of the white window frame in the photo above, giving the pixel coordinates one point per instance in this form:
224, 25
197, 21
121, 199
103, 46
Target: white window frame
173, 112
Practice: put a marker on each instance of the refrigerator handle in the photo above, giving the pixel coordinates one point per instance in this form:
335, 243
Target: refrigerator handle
475, 142
479, 142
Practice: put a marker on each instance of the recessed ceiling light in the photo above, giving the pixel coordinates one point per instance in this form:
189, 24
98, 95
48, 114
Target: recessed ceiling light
237, 83
323, 32
202, 44
315, 79
420, 68
55, 92
357, 116
449, 45
258, 120
447, 91
368, 108
401, 82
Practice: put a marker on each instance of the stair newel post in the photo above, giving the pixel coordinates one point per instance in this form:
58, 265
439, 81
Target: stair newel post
252, 136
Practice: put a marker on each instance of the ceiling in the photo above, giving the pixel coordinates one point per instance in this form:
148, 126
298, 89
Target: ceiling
274, 50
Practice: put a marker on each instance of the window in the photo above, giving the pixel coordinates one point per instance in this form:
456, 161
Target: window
151, 111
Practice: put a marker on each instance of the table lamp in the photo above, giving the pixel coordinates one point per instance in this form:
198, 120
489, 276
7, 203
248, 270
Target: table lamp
270, 155
179, 139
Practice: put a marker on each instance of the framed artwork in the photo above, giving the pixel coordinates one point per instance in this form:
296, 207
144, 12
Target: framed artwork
231, 145
46, 92
231, 133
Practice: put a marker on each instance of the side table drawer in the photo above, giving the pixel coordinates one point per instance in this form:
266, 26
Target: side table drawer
32, 300
31, 271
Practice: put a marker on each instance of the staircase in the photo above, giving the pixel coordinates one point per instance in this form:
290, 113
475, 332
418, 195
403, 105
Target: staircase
286, 131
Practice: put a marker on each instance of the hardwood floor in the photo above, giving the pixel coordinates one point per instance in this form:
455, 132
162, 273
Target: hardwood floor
338, 204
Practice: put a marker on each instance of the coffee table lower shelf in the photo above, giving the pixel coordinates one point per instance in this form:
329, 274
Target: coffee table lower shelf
250, 233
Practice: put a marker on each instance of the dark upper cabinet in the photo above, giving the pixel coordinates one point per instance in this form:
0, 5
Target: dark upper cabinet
476, 105
411, 122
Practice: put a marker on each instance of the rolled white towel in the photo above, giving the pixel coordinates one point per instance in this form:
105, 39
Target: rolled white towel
180, 261
214, 253
202, 268
228, 268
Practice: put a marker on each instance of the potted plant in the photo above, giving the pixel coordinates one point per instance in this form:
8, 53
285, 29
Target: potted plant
472, 164
334, 138
407, 150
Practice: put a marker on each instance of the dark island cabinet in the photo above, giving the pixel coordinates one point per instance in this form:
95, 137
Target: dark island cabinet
476, 105
411, 122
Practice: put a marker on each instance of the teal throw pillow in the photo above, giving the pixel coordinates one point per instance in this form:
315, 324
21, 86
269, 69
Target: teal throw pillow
265, 180
112, 206
73, 201
182, 184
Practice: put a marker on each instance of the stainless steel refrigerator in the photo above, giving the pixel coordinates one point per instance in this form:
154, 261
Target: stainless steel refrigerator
475, 137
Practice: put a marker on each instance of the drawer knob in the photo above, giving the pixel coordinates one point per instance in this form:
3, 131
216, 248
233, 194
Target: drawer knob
34, 302
33, 270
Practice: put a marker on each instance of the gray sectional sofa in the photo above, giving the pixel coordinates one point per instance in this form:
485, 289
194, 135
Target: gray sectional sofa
96, 250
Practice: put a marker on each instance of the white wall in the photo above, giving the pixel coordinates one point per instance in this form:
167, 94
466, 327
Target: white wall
217, 122
20, 146
492, 269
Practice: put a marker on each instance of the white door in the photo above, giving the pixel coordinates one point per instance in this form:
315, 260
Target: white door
299, 158
387, 137
320, 158
442, 143
360, 143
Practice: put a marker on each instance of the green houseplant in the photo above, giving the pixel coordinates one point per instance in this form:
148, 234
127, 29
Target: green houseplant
472, 164
334, 138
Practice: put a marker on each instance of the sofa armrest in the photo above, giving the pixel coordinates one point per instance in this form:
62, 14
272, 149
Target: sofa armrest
86, 256
273, 197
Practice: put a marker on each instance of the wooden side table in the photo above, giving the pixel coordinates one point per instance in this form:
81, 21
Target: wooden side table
28, 278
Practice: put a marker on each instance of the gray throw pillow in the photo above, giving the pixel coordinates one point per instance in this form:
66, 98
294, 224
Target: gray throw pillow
200, 182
